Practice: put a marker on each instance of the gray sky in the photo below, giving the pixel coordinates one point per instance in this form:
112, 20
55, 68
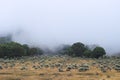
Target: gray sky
54, 22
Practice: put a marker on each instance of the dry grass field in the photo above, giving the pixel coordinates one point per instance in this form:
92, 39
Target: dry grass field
59, 68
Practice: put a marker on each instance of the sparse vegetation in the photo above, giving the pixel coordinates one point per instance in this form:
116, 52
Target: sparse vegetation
63, 67
77, 61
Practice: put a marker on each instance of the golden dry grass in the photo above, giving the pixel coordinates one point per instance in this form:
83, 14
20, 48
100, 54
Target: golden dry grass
15, 73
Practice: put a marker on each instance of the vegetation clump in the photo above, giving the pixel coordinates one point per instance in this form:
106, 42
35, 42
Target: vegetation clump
69, 68
81, 50
24, 68
60, 69
8, 49
83, 68
117, 67
14, 49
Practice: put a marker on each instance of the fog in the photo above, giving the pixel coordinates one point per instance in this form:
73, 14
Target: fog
54, 22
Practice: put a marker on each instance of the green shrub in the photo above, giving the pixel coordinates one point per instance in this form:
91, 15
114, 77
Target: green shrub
98, 52
13, 49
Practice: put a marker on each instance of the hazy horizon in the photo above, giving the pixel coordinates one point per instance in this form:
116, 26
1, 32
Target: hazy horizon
51, 23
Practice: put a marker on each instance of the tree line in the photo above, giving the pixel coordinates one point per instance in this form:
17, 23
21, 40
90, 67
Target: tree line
14, 49
81, 50
8, 48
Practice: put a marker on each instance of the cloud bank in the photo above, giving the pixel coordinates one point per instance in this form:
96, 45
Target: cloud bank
55, 22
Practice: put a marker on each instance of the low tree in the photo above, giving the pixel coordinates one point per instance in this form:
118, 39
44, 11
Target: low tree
26, 47
98, 52
80, 50
77, 49
87, 53
35, 51
63, 50
11, 49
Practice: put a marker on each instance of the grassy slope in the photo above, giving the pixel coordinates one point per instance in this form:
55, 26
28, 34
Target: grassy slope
15, 72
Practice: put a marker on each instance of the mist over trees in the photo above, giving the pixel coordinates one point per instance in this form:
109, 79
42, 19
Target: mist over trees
8, 48
81, 50
5, 39
14, 49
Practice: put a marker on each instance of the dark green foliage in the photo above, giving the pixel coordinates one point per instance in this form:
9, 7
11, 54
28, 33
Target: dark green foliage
35, 51
98, 52
77, 49
26, 47
13, 49
80, 50
63, 49
87, 53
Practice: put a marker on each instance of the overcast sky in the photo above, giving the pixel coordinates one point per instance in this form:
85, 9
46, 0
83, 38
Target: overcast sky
54, 22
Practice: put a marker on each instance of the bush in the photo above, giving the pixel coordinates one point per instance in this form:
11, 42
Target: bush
98, 52
26, 47
35, 51
13, 49
87, 53
83, 68
80, 50
76, 50
64, 50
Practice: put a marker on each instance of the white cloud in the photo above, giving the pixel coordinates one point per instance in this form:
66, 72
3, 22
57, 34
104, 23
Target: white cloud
52, 22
